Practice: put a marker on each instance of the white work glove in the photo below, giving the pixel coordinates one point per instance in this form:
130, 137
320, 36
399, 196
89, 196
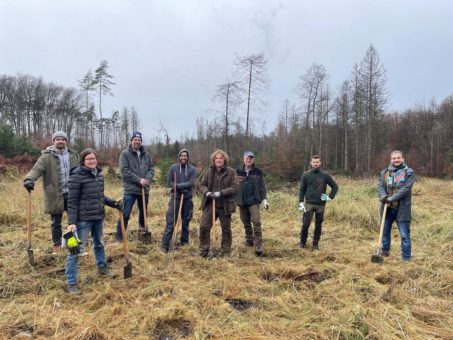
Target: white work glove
265, 204
325, 198
208, 194
216, 194
302, 207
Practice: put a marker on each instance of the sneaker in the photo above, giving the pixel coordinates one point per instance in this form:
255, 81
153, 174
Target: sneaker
314, 247
104, 271
73, 290
259, 250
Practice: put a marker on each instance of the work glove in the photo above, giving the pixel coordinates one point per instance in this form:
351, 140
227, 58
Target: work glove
29, 184
208, 194
325, 198
72, 242
388, 199
384, 199
119, 205
302, 207
265, 204
215, 195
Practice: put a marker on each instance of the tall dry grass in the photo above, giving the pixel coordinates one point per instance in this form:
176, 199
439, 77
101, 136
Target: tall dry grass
289, 293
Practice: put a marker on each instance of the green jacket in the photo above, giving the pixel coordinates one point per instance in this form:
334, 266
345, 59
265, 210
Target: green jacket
313, 184
252, 189
48, 167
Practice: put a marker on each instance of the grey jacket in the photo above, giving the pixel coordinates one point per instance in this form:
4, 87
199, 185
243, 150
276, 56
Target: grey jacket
133, 167
403, 194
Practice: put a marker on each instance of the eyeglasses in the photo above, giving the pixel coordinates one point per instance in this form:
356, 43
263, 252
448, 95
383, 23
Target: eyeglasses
90, 159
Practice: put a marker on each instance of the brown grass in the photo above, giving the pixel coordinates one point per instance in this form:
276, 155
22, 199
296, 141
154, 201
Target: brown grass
289, 293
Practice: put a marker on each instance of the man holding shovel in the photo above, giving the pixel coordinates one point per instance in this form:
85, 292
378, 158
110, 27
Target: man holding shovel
181, 179
252, 191
313, 185
53, 166
137, 171
395, 188
219, 184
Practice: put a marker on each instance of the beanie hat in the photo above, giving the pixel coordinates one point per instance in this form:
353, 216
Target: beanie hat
136, 134
59, 134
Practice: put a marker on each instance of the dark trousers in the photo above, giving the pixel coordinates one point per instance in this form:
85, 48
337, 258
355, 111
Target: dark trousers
318, 210
55, 227
128, 202
251, 215
186, 217
205, 229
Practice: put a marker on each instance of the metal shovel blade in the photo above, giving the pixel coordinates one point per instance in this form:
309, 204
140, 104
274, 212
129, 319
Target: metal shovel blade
127, 270
31, 258
376, 258
145, 237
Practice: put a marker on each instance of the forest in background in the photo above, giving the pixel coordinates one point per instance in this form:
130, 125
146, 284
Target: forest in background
348, 125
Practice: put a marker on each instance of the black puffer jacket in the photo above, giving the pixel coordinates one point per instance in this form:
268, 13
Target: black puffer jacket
86, 198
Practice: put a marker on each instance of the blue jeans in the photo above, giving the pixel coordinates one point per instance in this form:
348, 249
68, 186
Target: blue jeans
128, 202
405, 233
83, 230
186, 217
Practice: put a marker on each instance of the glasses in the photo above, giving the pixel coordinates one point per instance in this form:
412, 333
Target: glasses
90, 159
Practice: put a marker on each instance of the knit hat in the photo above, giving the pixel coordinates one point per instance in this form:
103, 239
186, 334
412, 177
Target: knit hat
136, 134
59, 134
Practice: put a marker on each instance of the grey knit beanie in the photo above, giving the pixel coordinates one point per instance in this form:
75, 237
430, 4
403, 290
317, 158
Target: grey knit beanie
59, 134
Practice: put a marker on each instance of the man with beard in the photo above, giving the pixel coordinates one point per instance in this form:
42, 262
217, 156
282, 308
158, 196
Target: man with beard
313, 185
53, 166
395, 190
181, 176
137, 171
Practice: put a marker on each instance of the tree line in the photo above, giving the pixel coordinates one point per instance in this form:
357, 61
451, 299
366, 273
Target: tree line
348, 125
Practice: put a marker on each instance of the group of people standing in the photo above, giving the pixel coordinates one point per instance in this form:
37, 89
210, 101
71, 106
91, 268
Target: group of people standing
75, 184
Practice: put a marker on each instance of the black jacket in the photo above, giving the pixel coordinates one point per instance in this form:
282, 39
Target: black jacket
313, 184
86, 198
252, 189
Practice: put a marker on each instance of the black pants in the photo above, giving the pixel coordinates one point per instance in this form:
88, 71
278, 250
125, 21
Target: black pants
56, 223
186, 217
318, 210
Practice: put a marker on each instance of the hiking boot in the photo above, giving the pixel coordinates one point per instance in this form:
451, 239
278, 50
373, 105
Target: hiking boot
385, 253
259, 250
249, 243
56, 249
314, 247
302, 245
164, 249
204, 253
73, 290
225, 254
104, 271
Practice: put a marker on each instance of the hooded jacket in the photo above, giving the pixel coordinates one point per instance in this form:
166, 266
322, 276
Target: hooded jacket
86, 198
400, 189
48, 167
185, 177
135, 166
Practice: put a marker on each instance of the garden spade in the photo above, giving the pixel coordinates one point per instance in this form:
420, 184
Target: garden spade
178, 226
128, 267
377, 256
213, 230
144, 233
31, 258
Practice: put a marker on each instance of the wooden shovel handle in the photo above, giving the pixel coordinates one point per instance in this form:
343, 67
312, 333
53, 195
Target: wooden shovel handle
214, 234
144, 208
29, 227
124, 234
381, 229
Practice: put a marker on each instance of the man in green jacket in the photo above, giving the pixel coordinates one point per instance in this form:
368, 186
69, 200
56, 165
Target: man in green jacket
53, 166
313, 187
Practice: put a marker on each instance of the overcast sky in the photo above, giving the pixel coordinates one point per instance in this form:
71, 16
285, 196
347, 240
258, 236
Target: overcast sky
168, 56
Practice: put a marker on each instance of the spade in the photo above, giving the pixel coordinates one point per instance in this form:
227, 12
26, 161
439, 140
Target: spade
377, 256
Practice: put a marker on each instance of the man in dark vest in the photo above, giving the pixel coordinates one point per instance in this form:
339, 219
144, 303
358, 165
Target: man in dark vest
252, 191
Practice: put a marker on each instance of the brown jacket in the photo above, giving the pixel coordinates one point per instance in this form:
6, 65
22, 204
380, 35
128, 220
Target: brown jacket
228, 183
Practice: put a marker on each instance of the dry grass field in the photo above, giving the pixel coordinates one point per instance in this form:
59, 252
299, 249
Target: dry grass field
289, 293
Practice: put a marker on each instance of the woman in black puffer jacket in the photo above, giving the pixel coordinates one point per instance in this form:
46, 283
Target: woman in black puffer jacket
86, 202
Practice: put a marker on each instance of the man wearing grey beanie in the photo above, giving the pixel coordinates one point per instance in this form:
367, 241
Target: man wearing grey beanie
53, 166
